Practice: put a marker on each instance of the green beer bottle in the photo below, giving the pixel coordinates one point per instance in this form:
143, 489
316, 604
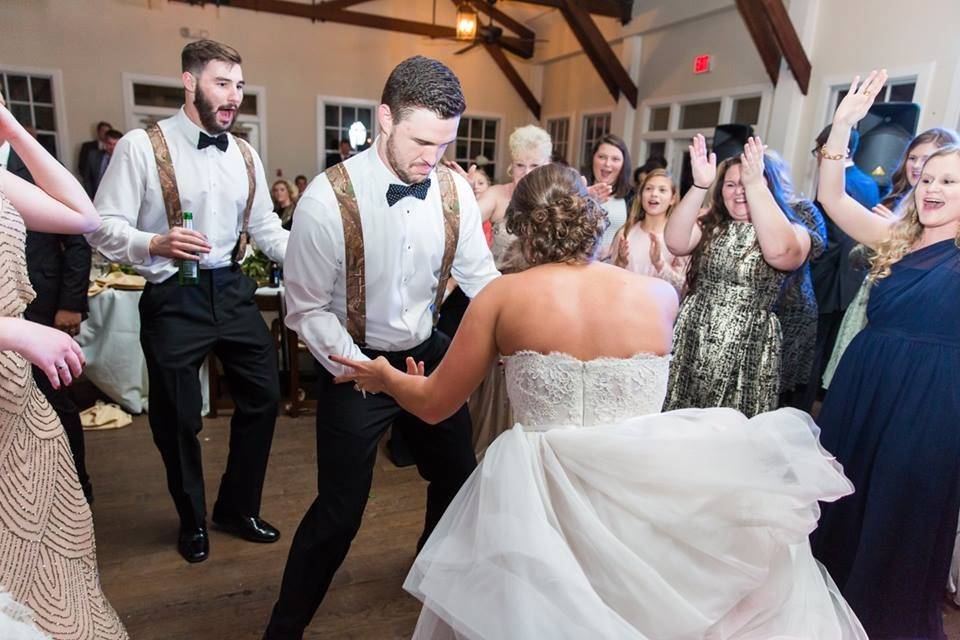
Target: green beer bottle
188, 268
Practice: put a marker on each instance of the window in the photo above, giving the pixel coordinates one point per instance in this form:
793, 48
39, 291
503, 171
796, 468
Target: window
30, 98
337, 120
700, 115
477, 144
746, 110
149, 99
670, 123
659, 118
595, 126
559, 130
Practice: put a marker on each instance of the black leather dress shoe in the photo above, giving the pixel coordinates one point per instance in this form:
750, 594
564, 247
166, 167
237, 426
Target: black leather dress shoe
193, 544
250, 528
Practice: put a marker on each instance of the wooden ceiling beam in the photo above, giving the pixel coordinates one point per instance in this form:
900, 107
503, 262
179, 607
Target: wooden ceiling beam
340, 4
518, 84
621, 9
790, 45
754, 16
324, 13
604, 60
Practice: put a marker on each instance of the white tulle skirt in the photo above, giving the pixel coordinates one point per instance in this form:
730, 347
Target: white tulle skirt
689, 524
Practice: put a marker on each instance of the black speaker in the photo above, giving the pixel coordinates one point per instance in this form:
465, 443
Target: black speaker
885, 133
728, 140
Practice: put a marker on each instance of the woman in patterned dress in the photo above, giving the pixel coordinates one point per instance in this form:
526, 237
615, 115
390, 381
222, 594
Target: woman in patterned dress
48, 559
727, 340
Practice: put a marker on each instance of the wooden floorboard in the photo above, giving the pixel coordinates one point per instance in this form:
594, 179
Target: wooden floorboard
229, 597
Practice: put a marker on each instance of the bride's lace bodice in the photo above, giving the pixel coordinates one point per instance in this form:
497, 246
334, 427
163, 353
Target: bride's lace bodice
558, 390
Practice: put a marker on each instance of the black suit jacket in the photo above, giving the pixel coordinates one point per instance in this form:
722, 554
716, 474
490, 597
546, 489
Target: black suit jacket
837, 278
90, 177
58, 266
86, 150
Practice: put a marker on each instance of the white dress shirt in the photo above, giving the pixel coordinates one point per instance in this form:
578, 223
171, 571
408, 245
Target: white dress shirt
213, 186
403, 249
4, 154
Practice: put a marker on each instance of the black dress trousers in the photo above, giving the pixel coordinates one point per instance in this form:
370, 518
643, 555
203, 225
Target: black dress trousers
179, 326
348, 431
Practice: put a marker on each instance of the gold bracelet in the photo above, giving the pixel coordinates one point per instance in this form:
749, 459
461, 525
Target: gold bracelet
832, 156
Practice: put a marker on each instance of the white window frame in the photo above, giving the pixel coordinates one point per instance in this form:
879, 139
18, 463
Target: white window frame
64, 143
582, 161
131, 110
502, 159
570, 117
677, 139
340, 101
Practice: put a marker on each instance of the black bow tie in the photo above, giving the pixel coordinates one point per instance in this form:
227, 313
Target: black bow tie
220, 141
397, 192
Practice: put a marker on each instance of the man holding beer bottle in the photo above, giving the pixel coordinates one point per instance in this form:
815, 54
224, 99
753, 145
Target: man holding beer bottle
185, 193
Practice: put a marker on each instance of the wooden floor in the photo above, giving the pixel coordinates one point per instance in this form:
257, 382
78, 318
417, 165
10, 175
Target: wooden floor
229, 597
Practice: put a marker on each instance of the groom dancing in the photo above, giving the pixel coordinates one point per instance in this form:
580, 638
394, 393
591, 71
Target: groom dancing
375, 240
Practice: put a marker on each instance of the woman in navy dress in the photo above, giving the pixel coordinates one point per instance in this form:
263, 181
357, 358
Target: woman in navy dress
892, 415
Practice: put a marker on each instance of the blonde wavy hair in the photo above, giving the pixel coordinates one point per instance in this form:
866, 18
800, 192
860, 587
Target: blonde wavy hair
532, 139
906, 231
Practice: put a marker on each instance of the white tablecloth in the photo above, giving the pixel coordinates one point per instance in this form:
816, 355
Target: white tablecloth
110, 338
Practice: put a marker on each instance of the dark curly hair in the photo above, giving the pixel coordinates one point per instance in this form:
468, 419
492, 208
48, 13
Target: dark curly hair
420, 82
554, 218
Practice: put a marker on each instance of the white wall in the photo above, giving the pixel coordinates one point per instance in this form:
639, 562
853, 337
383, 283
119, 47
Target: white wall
93, 42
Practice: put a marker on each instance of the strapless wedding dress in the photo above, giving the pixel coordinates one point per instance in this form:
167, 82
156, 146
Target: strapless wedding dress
596, 516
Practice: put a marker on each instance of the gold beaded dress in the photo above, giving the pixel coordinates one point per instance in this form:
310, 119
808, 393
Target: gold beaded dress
48, 559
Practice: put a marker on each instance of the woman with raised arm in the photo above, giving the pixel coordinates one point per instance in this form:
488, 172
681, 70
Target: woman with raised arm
596, 516
891, 413
727, 347
904, 180
46, 530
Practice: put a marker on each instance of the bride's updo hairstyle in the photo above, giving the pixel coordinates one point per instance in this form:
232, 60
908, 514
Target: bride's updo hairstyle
553, 217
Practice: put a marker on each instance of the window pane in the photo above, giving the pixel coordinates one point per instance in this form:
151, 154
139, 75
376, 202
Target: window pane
474, 150
490, 130
463, 128
656, 150
331, 114
659, 118
902, 92
44, 118
49, 142
491, 170
488, 150
17, 88
700, 116
347, 117
333, 140
150, 95
366, 117
249, 104
42, 89
746, 110
840, 96
461, 148
22, 113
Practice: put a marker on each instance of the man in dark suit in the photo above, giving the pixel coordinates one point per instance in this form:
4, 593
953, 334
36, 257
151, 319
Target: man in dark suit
87, 149
59, 270
98, 161
836, 276
337, 158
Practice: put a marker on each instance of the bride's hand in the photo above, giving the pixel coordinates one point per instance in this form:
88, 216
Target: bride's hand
371, 375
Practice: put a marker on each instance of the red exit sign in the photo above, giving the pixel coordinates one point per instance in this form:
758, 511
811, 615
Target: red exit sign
702, 64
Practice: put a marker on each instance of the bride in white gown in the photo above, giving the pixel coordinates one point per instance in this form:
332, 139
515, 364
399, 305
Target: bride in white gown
596, 516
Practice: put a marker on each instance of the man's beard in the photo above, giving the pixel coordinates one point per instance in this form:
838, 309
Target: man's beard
208, 113
397, 169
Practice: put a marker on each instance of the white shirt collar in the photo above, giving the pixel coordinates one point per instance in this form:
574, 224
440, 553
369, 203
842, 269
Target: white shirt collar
189, 128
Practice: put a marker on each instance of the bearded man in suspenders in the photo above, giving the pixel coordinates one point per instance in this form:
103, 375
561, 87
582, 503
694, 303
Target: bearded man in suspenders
374, 242
191, 162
